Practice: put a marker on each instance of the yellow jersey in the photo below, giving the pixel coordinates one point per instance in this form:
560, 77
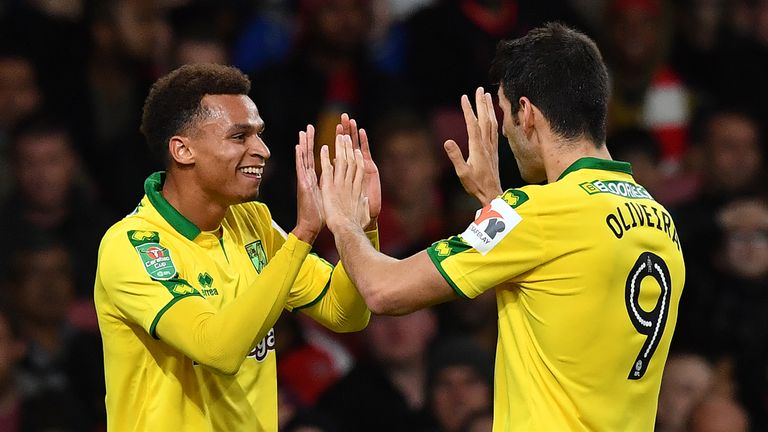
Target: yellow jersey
588, 273
151, 261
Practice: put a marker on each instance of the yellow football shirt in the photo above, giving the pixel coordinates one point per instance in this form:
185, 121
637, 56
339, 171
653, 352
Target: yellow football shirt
151, 260
588, 273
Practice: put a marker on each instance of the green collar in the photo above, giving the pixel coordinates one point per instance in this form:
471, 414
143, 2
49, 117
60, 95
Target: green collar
599, 164
152, 187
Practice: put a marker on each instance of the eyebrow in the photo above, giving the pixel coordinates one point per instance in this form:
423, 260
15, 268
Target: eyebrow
246, 127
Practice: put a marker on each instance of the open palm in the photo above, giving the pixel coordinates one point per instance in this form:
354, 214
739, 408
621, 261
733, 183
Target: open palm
372, 182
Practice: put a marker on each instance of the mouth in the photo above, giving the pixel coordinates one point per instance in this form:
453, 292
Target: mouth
252, 171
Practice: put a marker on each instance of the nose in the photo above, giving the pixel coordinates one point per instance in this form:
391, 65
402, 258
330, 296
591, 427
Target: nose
259, 148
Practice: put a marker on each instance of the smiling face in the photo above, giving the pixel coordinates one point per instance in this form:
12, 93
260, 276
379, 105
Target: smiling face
227, 152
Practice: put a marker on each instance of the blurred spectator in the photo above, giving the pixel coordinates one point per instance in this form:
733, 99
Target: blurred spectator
62, 366
192, 49
730, 165
700, 30
687, 381
640, 148
303, 369
131, 41
732, 293
387, 391
481, 421
451, 43
328, 73
742, 62
411, 214
460, 382
475, 318
645, 91
54, 36
49, 201
719, 415
20, 96
11, 352
266, 38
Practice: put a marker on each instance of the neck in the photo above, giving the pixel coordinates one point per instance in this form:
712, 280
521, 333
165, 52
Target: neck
561, 154
192, 202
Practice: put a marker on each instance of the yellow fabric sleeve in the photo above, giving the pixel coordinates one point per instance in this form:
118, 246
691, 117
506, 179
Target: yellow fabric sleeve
222, 339
340, 307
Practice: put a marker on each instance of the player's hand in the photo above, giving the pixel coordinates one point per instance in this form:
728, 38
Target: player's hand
309, 219
479, 174
371, 182
344, 202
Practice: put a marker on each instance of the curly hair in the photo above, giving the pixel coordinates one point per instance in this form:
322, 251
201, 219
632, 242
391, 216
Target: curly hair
173, 103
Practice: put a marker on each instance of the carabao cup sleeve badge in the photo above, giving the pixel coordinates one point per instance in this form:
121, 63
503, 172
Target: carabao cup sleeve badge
157, 261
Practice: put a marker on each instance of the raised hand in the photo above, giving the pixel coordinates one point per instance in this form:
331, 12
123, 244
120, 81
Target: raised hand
372, 182
344, 202
309, 217
479, 174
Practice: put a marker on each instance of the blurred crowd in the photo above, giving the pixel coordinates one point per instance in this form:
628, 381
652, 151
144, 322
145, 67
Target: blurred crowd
687, 110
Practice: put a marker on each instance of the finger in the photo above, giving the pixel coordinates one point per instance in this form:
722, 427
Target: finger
473, 130
326, 176
353, 134
357, 186
482, 113
310, 150
494, 122
345, 123
457, 159
340, 161
300, 169
350, 155
364, 145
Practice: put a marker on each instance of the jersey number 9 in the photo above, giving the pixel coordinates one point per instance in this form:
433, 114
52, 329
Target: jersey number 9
651, 324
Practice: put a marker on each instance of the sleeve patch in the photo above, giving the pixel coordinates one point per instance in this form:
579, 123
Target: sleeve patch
155, 257
492, 223
514, 197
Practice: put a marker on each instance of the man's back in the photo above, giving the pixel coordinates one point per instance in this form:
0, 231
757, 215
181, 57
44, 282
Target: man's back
589, 274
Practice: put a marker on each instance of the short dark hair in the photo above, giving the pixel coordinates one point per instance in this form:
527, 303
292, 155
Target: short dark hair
562, 72
173, 103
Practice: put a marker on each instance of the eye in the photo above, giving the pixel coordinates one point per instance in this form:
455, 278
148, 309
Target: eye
239, 137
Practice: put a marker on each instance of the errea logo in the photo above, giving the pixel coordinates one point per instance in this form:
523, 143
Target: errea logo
206, 282
491, 225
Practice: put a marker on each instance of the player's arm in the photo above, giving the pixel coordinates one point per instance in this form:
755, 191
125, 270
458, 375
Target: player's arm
171, 310
339, 306
222, 339
387, 285
479, 174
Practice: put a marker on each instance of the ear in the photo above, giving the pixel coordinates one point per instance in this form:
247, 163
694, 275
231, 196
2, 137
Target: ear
526, 115
180, 151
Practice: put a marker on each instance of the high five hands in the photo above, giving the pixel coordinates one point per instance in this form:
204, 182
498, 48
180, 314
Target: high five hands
342, 183
371, 181
351, 182
479, 173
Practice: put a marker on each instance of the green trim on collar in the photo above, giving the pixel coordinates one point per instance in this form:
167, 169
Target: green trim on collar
152, 187
599, 164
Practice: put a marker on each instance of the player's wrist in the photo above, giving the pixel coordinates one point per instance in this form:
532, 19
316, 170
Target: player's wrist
305, 234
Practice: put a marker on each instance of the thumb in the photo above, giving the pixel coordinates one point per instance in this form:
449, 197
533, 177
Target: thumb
454, 154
